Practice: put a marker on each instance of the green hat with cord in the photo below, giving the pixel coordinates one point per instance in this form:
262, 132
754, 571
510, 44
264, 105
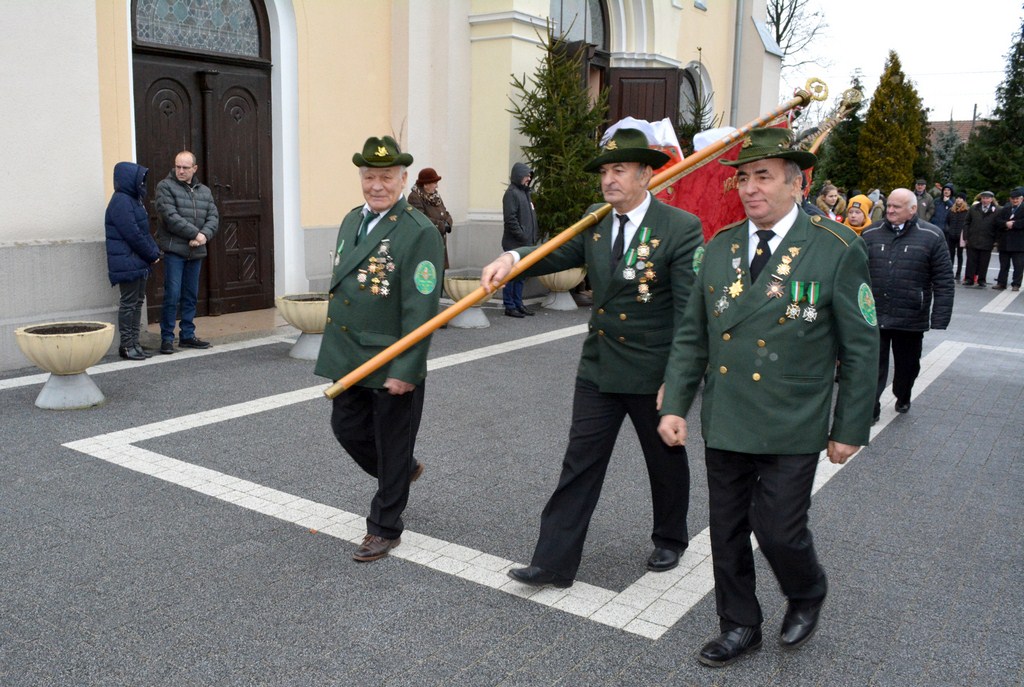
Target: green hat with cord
771, 142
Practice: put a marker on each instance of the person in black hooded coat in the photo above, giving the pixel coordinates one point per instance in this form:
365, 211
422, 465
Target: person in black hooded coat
131, 253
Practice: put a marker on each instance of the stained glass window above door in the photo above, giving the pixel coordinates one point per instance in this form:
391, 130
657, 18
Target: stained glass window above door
219, 26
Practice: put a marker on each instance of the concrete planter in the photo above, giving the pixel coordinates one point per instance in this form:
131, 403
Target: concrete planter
559, 284
66, 350
307, 312
458, 288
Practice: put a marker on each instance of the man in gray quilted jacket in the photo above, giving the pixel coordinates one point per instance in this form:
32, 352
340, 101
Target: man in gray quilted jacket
188, 221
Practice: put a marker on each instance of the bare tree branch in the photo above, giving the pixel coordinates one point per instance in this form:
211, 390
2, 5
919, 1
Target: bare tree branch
795, 25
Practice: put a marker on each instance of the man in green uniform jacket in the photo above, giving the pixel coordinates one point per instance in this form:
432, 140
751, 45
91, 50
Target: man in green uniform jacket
779, 299
384, 285
640, 260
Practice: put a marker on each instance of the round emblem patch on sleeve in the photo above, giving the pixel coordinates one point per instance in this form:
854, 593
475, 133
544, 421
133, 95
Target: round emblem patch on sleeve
426, 277
698, 258
866, 300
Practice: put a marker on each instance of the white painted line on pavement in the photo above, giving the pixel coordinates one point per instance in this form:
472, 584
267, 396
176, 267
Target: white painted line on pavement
1000, 303
648, 607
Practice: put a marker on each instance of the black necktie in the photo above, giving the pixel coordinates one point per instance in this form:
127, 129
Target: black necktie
761, 253
365, 224
619, 245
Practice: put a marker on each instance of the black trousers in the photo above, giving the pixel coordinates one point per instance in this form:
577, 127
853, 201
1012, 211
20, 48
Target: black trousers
906, 358
129, 311
956, 253
977, 265
379, 431
768, 495
596, 420
1006, 259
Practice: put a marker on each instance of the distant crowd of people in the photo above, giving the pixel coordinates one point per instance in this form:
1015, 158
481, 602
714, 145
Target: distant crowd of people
973, 228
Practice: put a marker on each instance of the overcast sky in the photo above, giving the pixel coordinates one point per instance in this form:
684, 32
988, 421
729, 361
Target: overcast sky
954, 51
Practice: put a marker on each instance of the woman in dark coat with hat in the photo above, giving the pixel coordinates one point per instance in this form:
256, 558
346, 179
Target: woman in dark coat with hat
425, 198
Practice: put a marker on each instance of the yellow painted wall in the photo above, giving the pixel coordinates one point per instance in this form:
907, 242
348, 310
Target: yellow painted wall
345, 49
712, 31
115, 87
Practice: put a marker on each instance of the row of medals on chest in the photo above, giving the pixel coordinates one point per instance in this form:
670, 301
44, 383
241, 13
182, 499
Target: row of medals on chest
377, 269
798, 291
638, 264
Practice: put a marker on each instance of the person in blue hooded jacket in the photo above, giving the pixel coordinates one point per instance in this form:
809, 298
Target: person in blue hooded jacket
131, 253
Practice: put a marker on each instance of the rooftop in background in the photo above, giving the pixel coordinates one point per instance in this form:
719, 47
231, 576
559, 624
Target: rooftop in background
963, 127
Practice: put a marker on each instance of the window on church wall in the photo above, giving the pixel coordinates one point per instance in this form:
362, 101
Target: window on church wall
696, 97
227, 27
580, 20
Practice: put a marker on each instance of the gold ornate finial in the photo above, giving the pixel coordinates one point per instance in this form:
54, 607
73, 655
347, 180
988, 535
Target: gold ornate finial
817, 88
851, 96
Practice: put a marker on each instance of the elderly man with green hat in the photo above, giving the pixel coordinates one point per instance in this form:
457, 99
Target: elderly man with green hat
640, 260
780, 298
383, 286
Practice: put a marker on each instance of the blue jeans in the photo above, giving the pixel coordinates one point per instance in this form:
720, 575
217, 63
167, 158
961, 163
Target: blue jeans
181, 283
512, 294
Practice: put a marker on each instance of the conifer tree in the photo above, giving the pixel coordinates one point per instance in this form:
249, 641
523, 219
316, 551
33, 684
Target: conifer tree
890, 139
993, 158
554, 112
947, 145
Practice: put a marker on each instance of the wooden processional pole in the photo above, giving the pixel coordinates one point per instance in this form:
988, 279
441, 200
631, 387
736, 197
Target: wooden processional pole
815, 89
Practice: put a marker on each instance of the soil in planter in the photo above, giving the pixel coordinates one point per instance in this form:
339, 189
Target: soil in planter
51, 329
305, 299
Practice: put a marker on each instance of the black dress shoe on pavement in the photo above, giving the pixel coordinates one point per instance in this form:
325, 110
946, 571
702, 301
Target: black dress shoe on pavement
129, 353
510, 312
799, 624
416, 472
902, 406
662, 560
167, 347
374, 548
194, 342
142, 351
999, 287
538, 577
729, 646
526, 311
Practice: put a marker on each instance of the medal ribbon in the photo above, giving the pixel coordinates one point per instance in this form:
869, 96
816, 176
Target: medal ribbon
797, 289
645, 234
813, 290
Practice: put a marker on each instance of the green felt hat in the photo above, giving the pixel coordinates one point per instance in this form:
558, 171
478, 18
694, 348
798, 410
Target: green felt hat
381, 152
627, 145
769, 142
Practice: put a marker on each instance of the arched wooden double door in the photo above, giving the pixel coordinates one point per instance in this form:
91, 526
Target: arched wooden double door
187, 97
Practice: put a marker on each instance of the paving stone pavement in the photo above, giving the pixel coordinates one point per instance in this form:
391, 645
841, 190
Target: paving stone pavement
197, 530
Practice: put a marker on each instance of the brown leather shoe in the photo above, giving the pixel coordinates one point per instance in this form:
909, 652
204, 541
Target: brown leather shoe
374, 548
416, 472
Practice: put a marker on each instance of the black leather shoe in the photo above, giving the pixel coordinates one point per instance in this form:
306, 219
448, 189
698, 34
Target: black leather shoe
142, 351
999, 287
526, 311
799, 624
509, 312
729, 646
902, 406
167, 347
194, 342
538, 577
662, 559
129, 353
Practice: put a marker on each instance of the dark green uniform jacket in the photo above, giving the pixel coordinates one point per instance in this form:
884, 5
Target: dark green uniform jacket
769, 376
380, 291
629, 336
